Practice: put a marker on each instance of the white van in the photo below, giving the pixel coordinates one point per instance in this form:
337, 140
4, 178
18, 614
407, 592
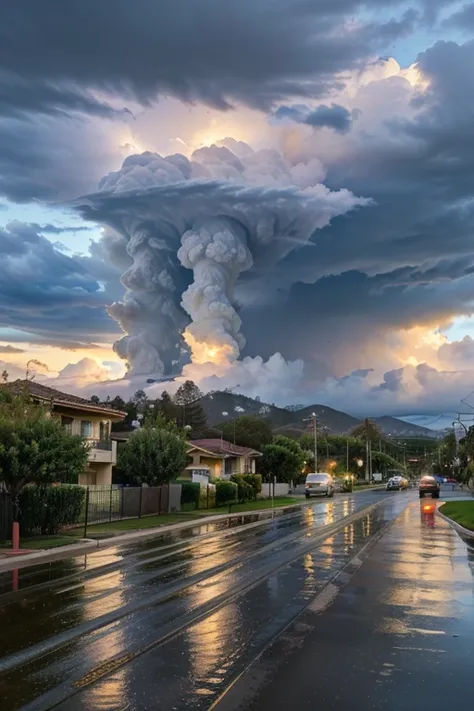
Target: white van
320, 484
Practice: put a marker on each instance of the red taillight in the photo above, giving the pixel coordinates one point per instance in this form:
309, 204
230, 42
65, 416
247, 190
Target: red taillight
428, 508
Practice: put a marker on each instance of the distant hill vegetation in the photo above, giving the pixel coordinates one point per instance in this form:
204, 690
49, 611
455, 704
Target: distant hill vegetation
220, 406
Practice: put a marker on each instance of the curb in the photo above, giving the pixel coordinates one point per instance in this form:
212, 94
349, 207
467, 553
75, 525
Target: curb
463, 532
92, 545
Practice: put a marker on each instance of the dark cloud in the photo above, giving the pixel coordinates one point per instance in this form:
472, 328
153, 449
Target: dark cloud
47, 293
10, 349
19, 98
463, 18
50, 159
49, 229
335, 116
210, 51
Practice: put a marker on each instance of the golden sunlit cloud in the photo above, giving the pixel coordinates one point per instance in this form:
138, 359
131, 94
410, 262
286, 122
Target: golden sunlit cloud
203, 352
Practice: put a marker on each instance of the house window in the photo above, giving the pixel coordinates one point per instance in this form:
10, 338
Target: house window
104, 433
67, 423
86, 428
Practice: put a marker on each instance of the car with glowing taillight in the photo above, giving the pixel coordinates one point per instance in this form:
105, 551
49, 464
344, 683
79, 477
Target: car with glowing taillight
428, 485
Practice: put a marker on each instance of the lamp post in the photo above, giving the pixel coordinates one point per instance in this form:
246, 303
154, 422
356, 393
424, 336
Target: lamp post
315, 432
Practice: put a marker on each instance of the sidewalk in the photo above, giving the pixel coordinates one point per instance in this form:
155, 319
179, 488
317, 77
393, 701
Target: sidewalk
84, 546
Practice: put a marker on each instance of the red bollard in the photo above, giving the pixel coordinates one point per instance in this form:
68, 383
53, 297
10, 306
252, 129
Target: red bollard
16, 536
15, 549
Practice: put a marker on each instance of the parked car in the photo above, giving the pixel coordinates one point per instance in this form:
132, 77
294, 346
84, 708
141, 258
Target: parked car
429, 485
320, 484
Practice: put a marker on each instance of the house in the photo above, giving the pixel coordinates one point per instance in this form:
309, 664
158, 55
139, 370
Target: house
221, 458
81, 417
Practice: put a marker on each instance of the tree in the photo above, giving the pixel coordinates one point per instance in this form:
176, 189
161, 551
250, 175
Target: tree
187, 393
293, 446
367, 430
157, 421
35, 449
190, 411
279, 462
140, 399
5, 376
153, 457
167, 407
95, 399
250, 431
118, 403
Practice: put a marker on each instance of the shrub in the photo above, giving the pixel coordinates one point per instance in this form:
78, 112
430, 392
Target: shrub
190, 493
226, 492
45, 509
255, 480
246, 492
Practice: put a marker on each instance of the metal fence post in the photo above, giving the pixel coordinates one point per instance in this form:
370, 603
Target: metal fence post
141, 498
160, 494
110, 504
207, 496
87, 512
121, 503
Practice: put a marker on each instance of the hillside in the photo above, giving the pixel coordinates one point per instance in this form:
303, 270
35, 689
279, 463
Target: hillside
220, 406
399, 428
284, 421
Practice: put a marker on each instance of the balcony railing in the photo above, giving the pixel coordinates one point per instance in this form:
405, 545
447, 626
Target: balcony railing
104, 444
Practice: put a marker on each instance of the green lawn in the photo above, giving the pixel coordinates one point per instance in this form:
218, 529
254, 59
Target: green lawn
128, 524
42, 542
102, 530
460, 511
249, 506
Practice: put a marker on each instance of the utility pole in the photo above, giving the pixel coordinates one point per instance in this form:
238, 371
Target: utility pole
367, 449
314, 420
315, 429
347, 454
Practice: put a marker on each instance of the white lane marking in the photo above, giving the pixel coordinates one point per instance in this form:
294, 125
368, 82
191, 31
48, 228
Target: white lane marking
324, 599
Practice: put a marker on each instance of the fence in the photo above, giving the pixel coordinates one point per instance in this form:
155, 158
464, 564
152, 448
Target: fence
108, 503
6, 516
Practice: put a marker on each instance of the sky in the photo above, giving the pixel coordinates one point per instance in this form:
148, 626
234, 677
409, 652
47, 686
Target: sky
274, 196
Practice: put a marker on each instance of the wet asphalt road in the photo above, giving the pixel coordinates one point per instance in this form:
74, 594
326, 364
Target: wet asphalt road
170, 623
396, 632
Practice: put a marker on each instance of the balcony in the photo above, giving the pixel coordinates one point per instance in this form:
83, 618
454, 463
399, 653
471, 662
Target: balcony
102, 451
104, 444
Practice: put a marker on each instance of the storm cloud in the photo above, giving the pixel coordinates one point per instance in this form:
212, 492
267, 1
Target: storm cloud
402, 138
335, 116
219, 53
47, 293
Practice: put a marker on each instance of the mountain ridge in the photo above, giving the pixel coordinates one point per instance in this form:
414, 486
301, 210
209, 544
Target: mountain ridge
220, 406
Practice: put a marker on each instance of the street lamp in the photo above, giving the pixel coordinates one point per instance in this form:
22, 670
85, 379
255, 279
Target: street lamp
314, 420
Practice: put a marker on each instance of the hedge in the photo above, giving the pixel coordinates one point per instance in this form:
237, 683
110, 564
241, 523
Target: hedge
190, 492
45, 509
255, 480
226, 492
246, 491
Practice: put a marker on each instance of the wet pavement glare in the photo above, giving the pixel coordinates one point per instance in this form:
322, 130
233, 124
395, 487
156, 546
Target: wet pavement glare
170, 622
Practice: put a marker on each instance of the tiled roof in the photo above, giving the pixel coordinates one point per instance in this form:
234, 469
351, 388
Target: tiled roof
221, 446
45, 393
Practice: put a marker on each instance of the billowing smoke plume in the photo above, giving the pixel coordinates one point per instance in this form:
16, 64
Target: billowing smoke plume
191, 227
